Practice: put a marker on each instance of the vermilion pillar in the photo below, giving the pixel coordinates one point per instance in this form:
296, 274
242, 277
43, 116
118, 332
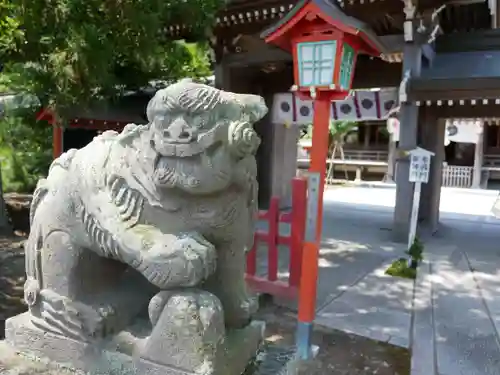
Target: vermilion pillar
57, 141
309, 274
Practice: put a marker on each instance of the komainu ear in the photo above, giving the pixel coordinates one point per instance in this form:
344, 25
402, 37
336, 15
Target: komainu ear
254, 106
243, 140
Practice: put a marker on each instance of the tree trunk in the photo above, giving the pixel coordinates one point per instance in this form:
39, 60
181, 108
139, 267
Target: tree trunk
4, 222
341, 148
331, 153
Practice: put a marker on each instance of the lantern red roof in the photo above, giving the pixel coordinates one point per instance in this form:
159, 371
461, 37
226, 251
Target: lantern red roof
282, 33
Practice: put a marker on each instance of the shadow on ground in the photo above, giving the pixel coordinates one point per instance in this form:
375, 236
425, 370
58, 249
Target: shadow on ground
12, 278
340, 353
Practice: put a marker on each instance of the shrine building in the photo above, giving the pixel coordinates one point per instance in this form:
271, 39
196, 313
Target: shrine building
439, 78
437, 86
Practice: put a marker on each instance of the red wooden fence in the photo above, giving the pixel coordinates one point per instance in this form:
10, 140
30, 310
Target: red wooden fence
272, 238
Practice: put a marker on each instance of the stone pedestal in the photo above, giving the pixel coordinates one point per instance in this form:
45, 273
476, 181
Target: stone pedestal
120, 357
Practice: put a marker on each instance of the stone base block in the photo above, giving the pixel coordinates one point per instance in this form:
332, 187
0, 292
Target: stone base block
238, 351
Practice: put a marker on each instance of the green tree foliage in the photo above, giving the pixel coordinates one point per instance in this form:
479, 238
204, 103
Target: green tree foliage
9, 29
26, 151
70, 53
339, 130
73, 52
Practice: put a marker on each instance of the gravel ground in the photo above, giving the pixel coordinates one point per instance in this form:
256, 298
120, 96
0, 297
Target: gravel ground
11, 278
339, 354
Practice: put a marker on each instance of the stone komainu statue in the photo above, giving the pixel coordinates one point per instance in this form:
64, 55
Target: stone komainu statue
156, 218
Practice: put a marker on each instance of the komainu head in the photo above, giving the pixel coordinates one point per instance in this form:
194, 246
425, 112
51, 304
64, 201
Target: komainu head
199, 133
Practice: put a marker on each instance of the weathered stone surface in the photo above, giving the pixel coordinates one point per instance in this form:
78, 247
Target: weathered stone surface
13, 362
103, 358
153, 221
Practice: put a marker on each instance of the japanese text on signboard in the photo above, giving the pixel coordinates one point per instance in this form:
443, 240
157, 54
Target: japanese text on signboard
419, 168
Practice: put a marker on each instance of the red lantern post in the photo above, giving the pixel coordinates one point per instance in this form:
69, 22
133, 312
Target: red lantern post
325, 43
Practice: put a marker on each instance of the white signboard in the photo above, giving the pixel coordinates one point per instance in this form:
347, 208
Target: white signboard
420, 163
419, 167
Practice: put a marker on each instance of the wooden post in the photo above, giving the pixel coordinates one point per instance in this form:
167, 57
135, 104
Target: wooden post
57, 141
414, 214
420, 168
408, 117
272, 243
299, 196
309, 274
433, 134
358, 177
366, 139
478, 160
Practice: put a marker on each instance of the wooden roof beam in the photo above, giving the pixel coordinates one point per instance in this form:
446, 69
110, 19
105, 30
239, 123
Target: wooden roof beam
492, 4
483, 40
262, 53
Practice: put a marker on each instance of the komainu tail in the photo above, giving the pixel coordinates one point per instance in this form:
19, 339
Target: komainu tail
40, 192
33, 247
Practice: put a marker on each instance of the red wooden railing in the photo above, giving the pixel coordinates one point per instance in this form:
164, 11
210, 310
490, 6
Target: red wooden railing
272, 238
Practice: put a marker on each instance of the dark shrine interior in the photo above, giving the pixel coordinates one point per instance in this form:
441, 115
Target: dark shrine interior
77, 138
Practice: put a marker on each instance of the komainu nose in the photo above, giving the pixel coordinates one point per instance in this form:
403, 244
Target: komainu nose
179, 132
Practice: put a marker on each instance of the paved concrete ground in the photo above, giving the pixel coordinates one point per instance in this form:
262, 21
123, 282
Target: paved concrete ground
456, 321
457, 306
357, 243
354, 294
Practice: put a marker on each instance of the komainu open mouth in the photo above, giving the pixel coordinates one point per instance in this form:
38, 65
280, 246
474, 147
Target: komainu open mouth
206, 172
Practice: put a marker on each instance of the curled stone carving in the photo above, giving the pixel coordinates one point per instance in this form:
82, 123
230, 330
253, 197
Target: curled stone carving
154, 219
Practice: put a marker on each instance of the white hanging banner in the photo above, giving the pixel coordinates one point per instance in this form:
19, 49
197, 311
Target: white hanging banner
463, 130
283, 111
364, 105
303, 111
367, 104
456, 130
347, 109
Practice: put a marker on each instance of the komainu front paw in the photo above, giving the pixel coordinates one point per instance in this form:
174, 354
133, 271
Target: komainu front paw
200, 255
185, 262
